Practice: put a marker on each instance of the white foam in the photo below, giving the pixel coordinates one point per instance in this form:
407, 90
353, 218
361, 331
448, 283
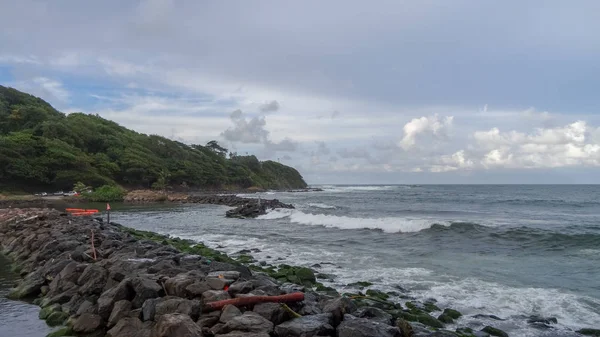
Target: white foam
390, 225
341, 189
323, 206
590, 252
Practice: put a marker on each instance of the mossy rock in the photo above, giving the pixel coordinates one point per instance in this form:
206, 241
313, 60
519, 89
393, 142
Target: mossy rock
444, 318
360, 284
430, 321
306, 275
57, 318
429, 307
46, 311
590, 332
409, 317
452, 313
494, 331
245, 259
378, 294
60, 332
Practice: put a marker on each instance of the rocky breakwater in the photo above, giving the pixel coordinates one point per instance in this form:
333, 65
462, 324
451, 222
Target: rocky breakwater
98, 279
244, 207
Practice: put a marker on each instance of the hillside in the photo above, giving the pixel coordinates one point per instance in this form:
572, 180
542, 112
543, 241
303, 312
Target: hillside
41, 147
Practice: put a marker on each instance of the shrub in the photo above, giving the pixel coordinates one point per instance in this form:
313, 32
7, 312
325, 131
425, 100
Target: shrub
106, 193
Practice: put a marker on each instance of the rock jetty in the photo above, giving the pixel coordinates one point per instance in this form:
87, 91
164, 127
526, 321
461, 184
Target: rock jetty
98, 279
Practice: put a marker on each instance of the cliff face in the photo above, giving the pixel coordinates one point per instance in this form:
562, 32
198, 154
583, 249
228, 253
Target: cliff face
43, 148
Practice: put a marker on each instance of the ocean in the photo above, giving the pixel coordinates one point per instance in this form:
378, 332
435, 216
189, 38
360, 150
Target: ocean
512, 251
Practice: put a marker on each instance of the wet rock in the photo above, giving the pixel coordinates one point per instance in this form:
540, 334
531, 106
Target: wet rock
494, 317
240, 287
31, 286
144, 289
60, 332
338, 307
443, 333
176, 325
543, 320
306, 326
87, 323
494, 331
589, 332
430, 321
120, 310
92, 280
46, 311
244, 334
56, 318
362, 327
444, 318
248, 322
454, 314
406, 329
374, 314
229, 312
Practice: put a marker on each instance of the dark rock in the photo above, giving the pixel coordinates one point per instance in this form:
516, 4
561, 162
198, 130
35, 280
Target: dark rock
218, 283
494, 317
362, 327
374, 314
176, 286
46, 311
406, 329
92, 280
87, 307
589, 332
120, 310
220, 267
443, 333
430, 321
445, 318
272, 311
240, 287
307, 326
144, 289
229, 312
244, 334
544, 320
149, 309
226, 274
249, 322
176, 325
209, 320
73, 304
60, 332
338, 307
87, 323
494, 331
107, 300
454, 314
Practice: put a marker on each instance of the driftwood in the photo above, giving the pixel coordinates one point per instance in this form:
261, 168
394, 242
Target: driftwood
249, 300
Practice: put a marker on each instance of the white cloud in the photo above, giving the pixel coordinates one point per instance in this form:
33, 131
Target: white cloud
431, 125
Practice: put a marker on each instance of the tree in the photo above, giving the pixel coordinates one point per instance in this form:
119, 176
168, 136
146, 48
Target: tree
80, 187
216, 148
162, 182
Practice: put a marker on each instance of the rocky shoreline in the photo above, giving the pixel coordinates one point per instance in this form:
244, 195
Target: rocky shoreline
100, 279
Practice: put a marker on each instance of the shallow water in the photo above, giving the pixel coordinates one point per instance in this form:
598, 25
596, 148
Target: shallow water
17, 319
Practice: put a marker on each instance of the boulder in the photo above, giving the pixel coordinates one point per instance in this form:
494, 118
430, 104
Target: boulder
126, 327
196, 289
338, 307
273, 312
107, 300
92, 280
144, 289
240, 287
248, 322
214, 295
589, 332
244, 334
307, 326
362, 327
176, 286
120, 310
177, 305
87, 307
176, 325
149, 309
443, 333
56, 318
209, 320
227, 274
87, 323
216, 283
494, 331
229, 312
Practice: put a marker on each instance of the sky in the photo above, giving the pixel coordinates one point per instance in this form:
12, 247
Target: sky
354, 92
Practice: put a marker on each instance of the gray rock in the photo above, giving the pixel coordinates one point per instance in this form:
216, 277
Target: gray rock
144, 289
214, 295
209, 320
244, 334
87, 307
218, 283
362, 327
221, 267
240, 287
338, 307
176, 286
107, 300
92, 280
178, 305
196, 289
273, 312
149, 309
249, 322
229, 312
176, 325
307, 326
443, 333
120, 310
87, 323
126, 327
227, 274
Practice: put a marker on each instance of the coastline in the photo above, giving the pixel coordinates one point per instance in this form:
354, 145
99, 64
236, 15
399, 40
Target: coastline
385, 308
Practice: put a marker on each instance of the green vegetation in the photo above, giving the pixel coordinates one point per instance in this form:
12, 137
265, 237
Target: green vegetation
106, 193
41, 148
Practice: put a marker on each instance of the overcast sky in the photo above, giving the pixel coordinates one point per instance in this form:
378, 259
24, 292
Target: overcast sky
412, 91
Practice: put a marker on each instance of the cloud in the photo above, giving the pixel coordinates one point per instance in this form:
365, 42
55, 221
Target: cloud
357, 153
283, 145
268, 107
47, 88
322, 149
246, 130
431, 125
